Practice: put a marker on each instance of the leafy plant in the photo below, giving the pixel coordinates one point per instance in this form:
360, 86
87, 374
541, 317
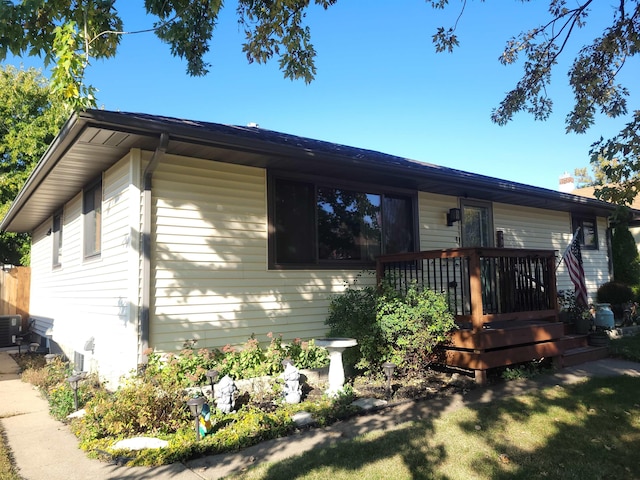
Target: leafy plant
353, 314
525, 370
404, 328
413, 325
615, 293
568, 303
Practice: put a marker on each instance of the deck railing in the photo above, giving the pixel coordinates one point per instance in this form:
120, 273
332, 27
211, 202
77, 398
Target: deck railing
482, 285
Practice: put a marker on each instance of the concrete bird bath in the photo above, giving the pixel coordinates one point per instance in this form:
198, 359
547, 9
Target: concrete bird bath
336, 346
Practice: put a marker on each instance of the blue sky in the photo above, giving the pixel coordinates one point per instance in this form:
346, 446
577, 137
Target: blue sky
379, 85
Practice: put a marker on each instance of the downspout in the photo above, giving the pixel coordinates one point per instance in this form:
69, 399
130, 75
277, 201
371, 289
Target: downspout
145, 286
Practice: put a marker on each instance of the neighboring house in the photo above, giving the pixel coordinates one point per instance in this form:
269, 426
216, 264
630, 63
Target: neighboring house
150, 231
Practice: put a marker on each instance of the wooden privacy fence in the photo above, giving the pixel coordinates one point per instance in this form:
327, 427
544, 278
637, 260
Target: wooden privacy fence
14, 292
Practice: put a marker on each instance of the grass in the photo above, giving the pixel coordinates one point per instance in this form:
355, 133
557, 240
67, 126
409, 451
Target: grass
585, 431
627, 347
7, 469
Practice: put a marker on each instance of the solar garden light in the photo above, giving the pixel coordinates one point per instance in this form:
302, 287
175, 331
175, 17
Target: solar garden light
212, 375
195, 405
73, 381
33, 347
388, 368
19, 343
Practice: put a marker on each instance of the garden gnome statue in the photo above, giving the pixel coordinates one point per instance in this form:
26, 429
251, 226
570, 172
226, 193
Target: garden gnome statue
225, 393
292, 388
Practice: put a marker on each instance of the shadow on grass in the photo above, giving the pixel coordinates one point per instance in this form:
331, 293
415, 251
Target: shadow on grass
589, 430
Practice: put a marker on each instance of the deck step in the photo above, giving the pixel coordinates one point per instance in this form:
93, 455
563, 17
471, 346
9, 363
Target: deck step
576, 356
574, 340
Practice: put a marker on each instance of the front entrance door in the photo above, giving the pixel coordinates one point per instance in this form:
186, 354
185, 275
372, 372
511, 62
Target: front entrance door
477, 224
477, 231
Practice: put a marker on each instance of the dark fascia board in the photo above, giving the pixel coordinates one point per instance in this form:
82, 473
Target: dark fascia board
303, 153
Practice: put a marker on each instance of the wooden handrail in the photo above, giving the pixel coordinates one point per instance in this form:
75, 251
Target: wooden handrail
483, 284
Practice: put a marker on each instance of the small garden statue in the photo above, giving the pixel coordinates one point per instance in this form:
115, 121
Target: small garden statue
225, 393
292, 388
205, 424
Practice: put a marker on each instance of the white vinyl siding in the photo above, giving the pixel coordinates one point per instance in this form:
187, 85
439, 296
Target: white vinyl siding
210, 280
93, 298
534, 228
432, 222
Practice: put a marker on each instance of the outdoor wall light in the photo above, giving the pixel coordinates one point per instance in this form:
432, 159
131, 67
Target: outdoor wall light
73, 381
453, 215
195, 405
388, 368
212, 375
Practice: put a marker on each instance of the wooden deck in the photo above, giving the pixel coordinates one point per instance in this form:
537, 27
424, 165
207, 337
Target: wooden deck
504, 301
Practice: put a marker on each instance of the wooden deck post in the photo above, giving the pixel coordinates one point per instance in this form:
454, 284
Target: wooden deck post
475, 286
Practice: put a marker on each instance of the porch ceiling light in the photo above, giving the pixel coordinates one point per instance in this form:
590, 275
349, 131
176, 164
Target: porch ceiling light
453, 215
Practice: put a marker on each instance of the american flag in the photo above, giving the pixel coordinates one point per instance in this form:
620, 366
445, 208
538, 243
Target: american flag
573, 260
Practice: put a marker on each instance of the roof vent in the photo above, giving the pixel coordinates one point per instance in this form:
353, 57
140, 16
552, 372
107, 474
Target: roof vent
253, 125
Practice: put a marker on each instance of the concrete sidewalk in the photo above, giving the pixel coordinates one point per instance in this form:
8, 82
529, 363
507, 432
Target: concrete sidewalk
45, 449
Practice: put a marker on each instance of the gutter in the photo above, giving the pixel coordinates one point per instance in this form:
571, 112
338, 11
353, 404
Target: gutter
147, 179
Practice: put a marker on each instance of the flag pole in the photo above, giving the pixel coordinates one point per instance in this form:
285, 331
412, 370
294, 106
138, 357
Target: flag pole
568, 247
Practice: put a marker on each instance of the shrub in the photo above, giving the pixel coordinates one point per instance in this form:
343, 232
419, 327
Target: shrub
189, 368
617, 294
137, 407
51, 374
389, 326
626, 261
413, 325
353, 314
62, 398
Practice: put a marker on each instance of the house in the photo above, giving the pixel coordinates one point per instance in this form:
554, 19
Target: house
150, 231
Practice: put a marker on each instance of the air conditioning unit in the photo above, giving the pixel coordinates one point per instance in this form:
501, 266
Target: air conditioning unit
10, 328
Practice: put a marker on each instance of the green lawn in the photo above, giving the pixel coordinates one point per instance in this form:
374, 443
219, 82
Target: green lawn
7, 471
626, 347
585, 431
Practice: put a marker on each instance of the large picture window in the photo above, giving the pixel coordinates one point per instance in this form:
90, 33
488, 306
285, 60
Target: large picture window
92, 212
316, 224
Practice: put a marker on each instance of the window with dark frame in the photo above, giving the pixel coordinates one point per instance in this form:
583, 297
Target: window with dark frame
92, 212
588, 235
57, 239
318, 225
